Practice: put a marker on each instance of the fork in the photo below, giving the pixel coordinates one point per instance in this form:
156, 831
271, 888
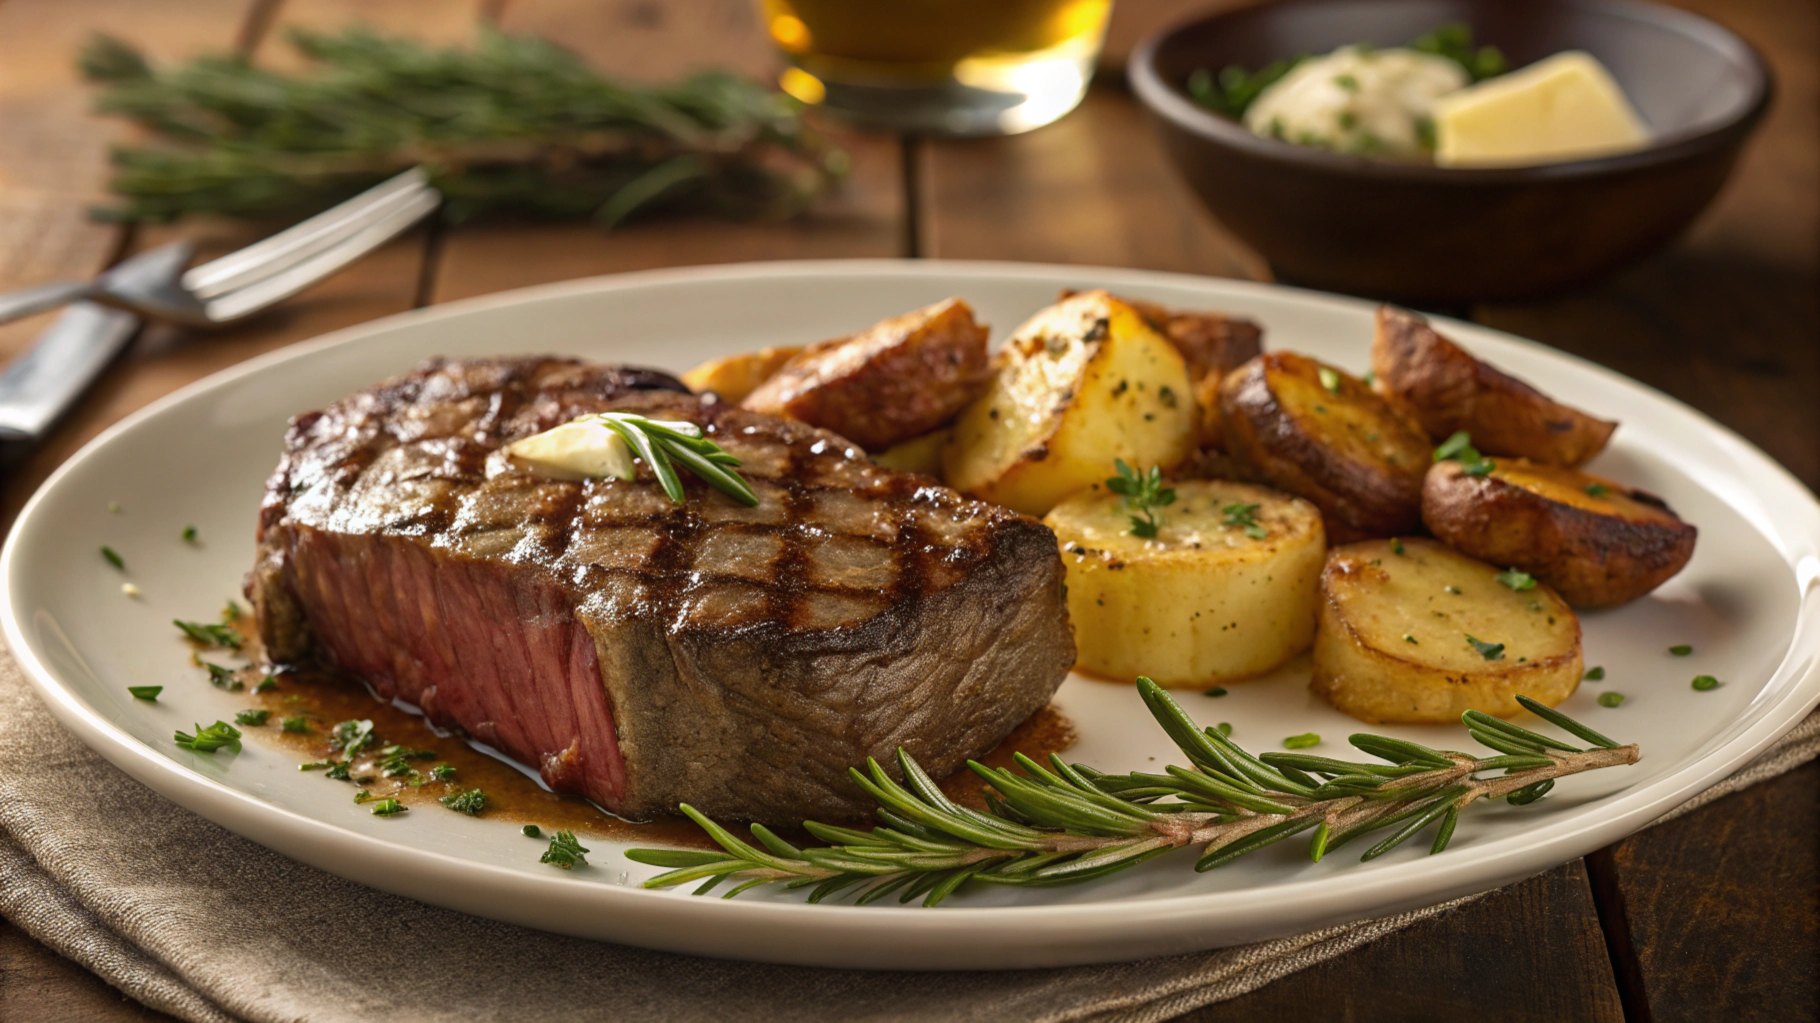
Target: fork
259, 276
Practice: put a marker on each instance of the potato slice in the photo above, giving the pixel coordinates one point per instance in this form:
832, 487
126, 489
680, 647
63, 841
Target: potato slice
1319, 434
918, 454
1082, 384
1412, 631
1598, 542
1450, 390
896, 380
1204, 601
735, 376
1212, 345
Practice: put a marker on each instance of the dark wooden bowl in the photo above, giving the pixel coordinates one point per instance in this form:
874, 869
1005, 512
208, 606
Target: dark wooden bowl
1428, 235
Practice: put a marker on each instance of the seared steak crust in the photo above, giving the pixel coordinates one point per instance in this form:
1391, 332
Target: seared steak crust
643, 653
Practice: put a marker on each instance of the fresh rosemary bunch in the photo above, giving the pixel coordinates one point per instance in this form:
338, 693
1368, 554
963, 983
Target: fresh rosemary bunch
514, 123
1065, 823
665, 444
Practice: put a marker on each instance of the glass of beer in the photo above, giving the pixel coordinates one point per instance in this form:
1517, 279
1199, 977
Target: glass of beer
951, 67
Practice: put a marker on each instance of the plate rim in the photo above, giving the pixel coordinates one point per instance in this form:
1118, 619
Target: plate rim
1790, 692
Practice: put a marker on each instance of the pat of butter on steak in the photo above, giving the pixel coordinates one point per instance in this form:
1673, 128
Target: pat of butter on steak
639, 652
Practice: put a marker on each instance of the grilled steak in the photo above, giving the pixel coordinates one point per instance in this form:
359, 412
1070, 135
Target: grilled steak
643, 653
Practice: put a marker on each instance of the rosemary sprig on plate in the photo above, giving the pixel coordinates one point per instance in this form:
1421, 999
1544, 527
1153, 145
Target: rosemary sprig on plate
664, 444
1061, 823
514, 122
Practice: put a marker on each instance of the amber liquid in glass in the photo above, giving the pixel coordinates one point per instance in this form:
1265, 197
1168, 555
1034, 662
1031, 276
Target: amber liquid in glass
962, 67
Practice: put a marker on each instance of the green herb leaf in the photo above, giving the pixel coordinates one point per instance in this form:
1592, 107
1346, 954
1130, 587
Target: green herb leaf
388, 808
1610, 699
1681, 650
1597, 489
1489, 651
442, 772
1330, 378
296, 724
1454, 41
224, 678
1245, 516
189, 534
470, 802
316, 765
1233, 90
1407, 638
209, 635
531, 831
1594, 674
1143, 494
1303, 741
364, 796
1516, 580
266, 685
113, 557
350, 737
145, 692
1216, 691
1396, 545
219, 735
565, 852
252, 717
1704, 682
664, 444
339, 771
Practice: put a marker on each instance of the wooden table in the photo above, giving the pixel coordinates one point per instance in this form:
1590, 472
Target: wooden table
1712, 916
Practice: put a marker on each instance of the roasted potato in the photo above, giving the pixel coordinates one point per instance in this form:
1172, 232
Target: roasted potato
918, 454
896, 380
1212, 345
1450, 390
735, 376
1082, 384
1597, 542
1319, 434
1225, 590
1412, 631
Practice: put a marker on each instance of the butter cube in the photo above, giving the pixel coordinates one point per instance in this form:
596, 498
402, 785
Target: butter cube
1567, 107
583, 449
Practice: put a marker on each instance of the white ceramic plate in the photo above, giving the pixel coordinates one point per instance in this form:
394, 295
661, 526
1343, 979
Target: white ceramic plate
1749, 604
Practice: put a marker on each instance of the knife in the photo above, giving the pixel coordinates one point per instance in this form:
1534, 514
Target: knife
39, 386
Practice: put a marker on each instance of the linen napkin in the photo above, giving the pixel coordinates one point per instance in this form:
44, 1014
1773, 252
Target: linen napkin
195, 921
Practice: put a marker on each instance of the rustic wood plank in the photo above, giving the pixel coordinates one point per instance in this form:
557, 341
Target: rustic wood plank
40, 986
1532, 951
646, 41
1093, 188
1722, 906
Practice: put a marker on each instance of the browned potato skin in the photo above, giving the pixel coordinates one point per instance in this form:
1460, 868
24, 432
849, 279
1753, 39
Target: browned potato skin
1364, 488
899, 379
1450, 390
1594, 551
735, 376
1212, 344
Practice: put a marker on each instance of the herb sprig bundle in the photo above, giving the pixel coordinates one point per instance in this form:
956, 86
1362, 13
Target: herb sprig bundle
1144, 495
513, 123
1061, 824
665, 444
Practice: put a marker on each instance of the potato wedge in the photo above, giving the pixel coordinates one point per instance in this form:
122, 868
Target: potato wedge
1598, 542
1205, 601
896, 380
1082, 384
1450, 390
1324, 436
1414, 632
918, 454
735, 376
1212, 345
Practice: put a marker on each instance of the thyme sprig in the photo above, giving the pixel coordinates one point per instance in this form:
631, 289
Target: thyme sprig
1061, 824
511, 123
1144, 494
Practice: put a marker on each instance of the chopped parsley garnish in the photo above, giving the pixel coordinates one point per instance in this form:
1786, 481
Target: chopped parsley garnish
1245, 515
1347, 82
1704, 682
339, 771
397, 767
1681, 650
1455, 590
145, 692
316, 765
1143, 493
1217, 691
364, 795
1303, 741
1330, 379
219, 735
1396, 545
1234, 88
252, 717
1595, 674
1454, 41
113, 557
296, 724
1489, 651
266, 684
1458, 448
1407, 638
189, 534
1597, 490
531, 831
350, 737
565, 852
208, 634
1516, 580
442, 772
407, 752
470, 802
1610, 699
223, 678
388, 807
